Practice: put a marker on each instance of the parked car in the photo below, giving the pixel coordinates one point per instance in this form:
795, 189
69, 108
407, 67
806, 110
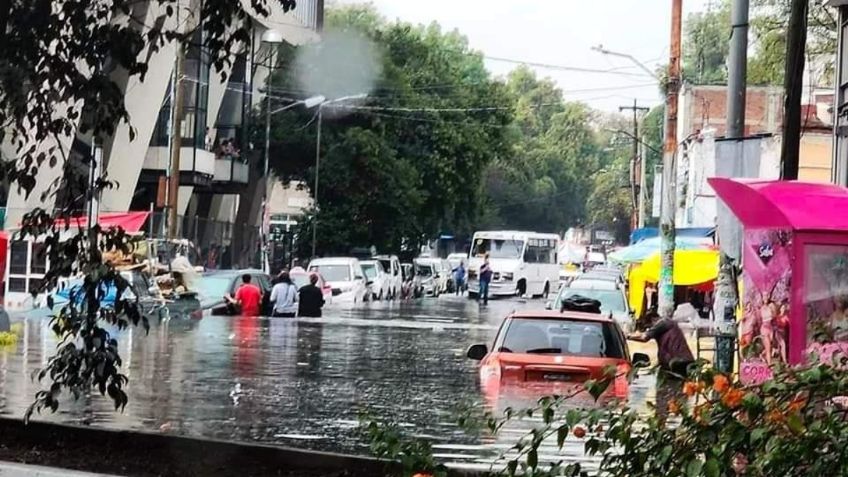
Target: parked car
613, 299
446, 275
214, 285
345, 277
538, 353
456, 258
408, 272
301, 279
392, 266
426, 281
378, 280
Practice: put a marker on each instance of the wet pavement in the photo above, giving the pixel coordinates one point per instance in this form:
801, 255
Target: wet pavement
298, 382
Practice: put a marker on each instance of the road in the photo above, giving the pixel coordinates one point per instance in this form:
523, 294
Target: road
300, 382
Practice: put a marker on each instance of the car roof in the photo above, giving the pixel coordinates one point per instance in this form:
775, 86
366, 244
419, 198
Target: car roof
233, 273
385, 257
565, 316
592, 284
333, 261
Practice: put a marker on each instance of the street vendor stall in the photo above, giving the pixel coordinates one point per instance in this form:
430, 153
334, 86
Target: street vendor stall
692, 268
794, 270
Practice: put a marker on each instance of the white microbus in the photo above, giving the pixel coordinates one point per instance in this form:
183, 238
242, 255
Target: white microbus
524, 263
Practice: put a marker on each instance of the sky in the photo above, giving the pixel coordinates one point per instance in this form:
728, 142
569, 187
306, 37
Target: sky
562, 33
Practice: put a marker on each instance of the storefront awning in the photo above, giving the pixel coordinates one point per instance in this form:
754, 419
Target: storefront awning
131, 222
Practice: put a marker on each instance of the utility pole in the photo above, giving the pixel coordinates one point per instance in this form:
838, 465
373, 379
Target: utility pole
667, 228
737, 72
796, 38
636, 170
176, 140
737, 75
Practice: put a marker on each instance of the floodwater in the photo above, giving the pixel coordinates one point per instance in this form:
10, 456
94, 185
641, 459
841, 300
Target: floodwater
298, 382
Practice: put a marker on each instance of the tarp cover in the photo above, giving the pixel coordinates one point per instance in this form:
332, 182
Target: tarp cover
129, 221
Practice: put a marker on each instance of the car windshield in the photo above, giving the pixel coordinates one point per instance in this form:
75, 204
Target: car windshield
497, 248
300, 279
214, 286
612, 301
370, 270
332, 273
564, 337
424, 270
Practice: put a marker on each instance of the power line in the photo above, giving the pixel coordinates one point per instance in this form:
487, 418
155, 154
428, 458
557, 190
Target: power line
577, 69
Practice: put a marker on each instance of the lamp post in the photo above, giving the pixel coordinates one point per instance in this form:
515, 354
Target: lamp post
318, 160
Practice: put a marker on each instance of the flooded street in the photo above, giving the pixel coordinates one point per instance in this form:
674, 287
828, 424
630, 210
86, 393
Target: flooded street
295, 382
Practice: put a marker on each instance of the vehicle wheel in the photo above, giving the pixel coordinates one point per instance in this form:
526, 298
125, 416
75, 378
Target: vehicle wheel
472, 295
521, 289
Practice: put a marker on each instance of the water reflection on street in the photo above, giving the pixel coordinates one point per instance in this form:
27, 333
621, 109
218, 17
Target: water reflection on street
298, 382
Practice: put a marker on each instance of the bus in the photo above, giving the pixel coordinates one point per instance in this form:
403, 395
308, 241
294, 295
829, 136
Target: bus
524, 263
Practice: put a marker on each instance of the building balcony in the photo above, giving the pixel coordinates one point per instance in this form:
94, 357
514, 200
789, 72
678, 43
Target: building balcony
230, 169
197, 167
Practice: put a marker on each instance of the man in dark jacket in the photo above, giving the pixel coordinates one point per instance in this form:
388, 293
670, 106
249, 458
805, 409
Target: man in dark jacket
311, 298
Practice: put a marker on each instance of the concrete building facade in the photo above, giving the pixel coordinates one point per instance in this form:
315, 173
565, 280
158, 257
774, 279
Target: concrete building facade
215, 166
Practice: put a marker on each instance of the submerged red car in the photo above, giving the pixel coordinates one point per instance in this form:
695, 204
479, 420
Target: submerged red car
539, 353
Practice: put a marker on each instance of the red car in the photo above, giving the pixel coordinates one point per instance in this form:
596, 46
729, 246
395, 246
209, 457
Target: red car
302, 278
539, 353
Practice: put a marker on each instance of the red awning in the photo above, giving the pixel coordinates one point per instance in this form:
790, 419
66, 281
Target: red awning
129, 221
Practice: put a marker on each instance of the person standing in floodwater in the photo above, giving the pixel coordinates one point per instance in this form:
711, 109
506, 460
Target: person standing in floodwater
311, 298
248, 297
459, 278
674, 356
485, 278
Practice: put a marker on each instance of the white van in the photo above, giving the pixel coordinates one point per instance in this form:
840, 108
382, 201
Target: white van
394, 274
345, 277
524, 263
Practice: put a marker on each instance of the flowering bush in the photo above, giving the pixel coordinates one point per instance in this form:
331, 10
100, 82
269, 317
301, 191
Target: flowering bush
794, 424
791, 425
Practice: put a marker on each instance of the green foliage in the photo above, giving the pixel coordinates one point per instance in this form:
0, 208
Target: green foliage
542, 184
793, 424
418, 172
707, 45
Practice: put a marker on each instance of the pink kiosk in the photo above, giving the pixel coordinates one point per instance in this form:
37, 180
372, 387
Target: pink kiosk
794, 271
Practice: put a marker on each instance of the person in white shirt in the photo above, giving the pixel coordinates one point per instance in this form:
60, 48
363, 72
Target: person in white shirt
284, 297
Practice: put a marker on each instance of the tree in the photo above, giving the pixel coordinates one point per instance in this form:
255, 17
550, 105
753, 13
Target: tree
706, 45
441, 154
542, 184
61, 70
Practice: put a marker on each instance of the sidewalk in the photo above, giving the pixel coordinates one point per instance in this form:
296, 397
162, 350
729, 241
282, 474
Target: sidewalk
13, 469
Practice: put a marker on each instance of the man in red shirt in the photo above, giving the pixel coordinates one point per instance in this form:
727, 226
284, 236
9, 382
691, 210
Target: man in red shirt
248, 298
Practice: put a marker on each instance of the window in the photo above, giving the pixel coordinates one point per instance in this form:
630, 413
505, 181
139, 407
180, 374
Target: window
557, 336
18, 257
332, 273
39, 258
497, 248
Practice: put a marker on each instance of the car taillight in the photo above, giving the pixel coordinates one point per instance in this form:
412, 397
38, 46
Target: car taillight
621, 385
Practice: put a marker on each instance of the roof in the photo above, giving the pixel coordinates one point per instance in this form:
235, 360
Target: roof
332, 260
566, 315
784, 204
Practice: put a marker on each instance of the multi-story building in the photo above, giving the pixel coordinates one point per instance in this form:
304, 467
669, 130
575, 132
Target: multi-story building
217, 181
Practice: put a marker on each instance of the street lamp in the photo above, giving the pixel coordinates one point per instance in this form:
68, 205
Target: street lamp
318, 159
604, 51
273, 37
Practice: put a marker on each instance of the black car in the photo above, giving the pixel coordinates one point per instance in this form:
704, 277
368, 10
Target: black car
214, 285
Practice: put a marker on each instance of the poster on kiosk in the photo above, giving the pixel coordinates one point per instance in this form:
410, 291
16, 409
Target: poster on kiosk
794, 288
